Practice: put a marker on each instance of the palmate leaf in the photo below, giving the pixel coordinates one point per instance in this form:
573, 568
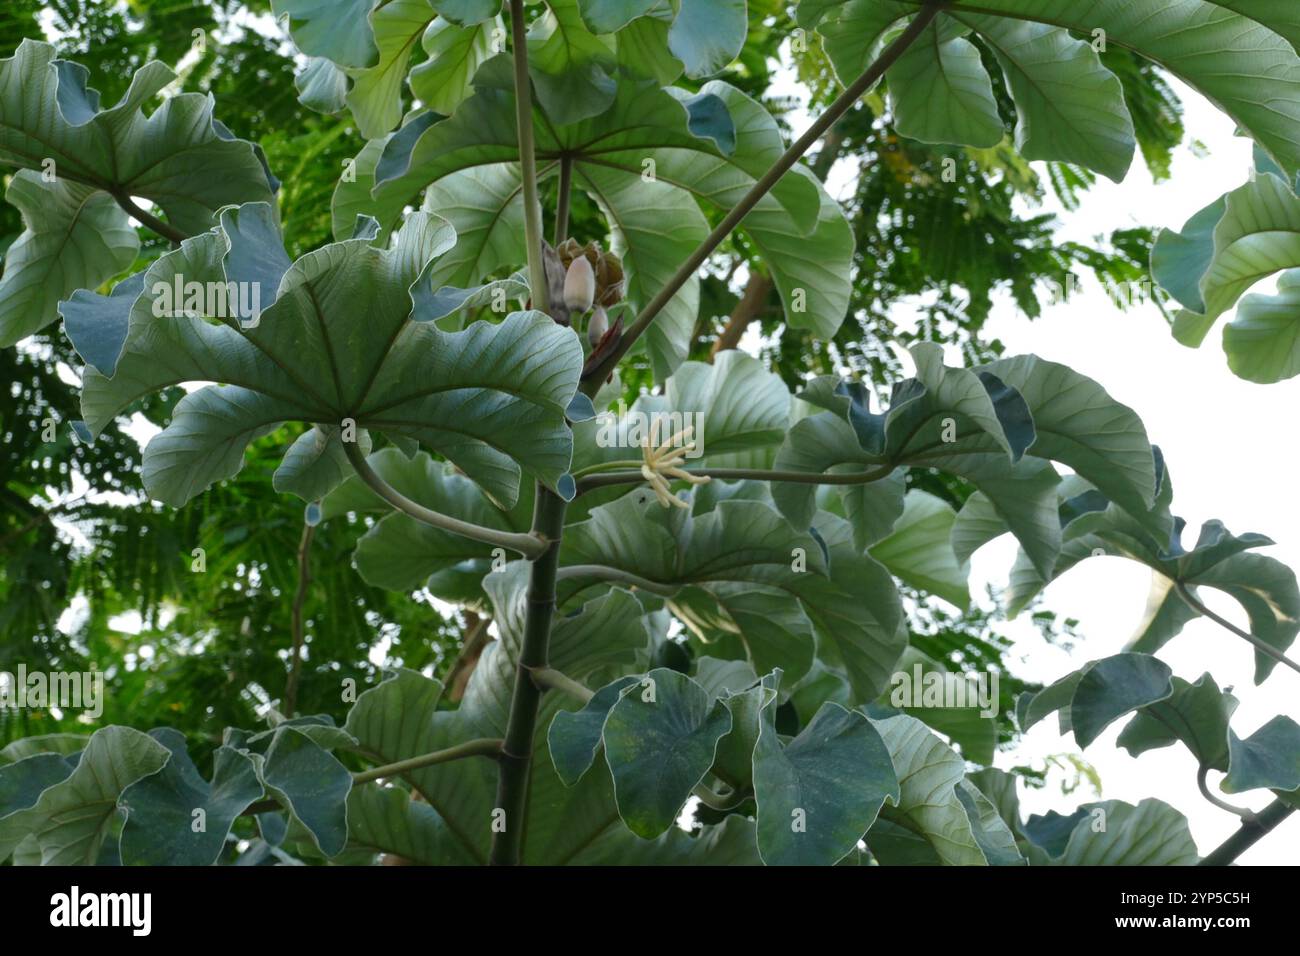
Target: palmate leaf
51, 124
940, 92
69, 819
738, 545
649, 161
491, 398
998, 426
1240, 54
162, 827
705, 35
1241, 238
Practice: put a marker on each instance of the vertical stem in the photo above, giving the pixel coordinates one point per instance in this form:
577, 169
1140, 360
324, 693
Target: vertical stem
562, 204
548, 520
517, 751
527, 159
304, 579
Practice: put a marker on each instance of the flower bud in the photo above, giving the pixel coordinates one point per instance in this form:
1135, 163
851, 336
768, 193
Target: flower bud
597, 326
579, 285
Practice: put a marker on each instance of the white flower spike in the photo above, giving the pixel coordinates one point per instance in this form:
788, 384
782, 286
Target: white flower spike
666, 460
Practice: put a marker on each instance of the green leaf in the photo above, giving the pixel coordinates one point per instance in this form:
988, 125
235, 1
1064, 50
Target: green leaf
1114, 686
1262, 341
453, 54
730, 843
178, 157
818, 794
609, 16
748, 704
1098, 694
569, 66
1238, 63
376, 95
1196, 714
1071, 108
918, 549
164, 826
992, 834
643, 48
648, 161
968, 727
338, 30
574, 737
322, 86
928, 774
467, 12
21, 785
386, 820
1270, 757
316, 463
311, 784
70, 818
403, 554
1149, 834
660, 739
708, 34
75, 237
940, 92
58, 743
853, 604
1265, 588
491, 398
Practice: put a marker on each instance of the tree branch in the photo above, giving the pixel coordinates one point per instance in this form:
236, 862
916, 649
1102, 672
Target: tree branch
596, 376
562, 202
479, 747
149, 220
304, 579
615, 574
1201, 773
1248, 834
548, 678
529, 545
594, 481
759, 286
1266, 649
527, 159
746, 311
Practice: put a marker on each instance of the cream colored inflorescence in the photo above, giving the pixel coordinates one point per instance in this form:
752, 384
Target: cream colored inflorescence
662, 462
